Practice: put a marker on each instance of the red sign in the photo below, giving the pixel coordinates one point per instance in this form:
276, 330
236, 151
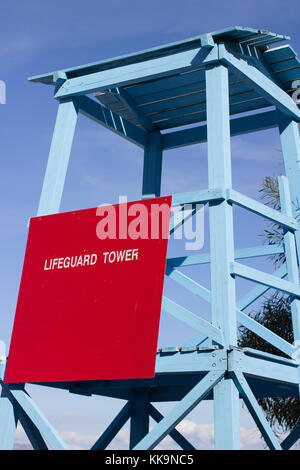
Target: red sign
90, 295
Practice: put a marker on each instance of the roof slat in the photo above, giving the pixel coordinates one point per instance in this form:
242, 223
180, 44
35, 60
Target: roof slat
277, 54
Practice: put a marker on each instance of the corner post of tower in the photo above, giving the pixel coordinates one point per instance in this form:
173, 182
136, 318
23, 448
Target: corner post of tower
58, 159
226, 395
152, 165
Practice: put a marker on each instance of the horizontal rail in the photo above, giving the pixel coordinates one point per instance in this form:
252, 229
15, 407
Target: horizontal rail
201, 197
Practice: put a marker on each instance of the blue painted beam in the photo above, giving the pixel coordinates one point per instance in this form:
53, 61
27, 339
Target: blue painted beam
258, 291
129, 103
220, 213
255, 410
227, 413
265, 333
261, 209
113, 429
226, 399
192, 361
133, 73
242, 318
188, 283
179, 217
241, 253
32, 432
38, 418
291, 439
201, 197
196, 340
290, 144
139, 419
192, 320
58, 159
174, 434
260, 277
290, 255
238, 126
251, 362
152, 166
8, 424
260, 82
110, 120
182, 409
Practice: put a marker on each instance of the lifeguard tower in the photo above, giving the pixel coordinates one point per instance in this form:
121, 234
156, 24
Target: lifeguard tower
203, 81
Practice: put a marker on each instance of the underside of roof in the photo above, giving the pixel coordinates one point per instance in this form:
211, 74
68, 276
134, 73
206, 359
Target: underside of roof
180, 99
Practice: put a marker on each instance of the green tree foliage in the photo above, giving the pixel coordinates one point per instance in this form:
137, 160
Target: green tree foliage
283, 413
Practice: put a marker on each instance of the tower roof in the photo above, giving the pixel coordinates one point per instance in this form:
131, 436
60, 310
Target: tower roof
177, 99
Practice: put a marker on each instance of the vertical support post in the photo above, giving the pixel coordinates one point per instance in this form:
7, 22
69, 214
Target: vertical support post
8, 423
291, 262
226, 395
139, 422
290, 144
58, 158
152, 166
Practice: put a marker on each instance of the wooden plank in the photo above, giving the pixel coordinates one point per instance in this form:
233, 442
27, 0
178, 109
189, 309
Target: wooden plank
285, 65
129, 74
265, 333
152, 166
261, 209
256, 411
202, 197
40, 421
161, 88
192, 320
174, 434
173, 104
261, 83
136, 112
182, 409
188, 283
236, 108
260, 277
241, 253
110, 120
113, 429
278, 54
291, 256
8, 424
58, 159
241, 125
290, 74
258, 291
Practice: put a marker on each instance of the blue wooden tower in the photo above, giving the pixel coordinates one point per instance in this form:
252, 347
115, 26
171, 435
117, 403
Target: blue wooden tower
205, 80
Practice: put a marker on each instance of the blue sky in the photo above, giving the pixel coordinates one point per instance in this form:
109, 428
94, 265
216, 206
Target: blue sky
39, 37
